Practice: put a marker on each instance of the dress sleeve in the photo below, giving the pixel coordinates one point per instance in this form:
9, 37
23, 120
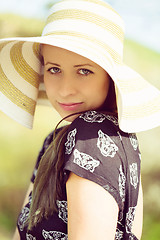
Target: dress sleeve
93, 150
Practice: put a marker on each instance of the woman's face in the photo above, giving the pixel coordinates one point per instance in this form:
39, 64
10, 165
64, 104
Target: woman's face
73, 83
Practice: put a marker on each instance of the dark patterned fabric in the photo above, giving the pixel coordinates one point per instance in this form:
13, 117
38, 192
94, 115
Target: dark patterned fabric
95, 149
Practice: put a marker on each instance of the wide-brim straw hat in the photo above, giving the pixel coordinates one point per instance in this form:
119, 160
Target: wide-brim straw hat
92, 29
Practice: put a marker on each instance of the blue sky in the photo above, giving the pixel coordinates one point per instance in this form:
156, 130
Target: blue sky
142, 17
27, 8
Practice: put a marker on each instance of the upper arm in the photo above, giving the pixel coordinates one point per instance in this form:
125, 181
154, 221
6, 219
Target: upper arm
92, 211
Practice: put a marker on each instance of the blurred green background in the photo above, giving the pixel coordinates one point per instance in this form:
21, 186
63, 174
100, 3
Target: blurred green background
19, 146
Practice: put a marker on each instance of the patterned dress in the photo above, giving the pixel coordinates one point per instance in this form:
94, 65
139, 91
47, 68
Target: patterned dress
95, 149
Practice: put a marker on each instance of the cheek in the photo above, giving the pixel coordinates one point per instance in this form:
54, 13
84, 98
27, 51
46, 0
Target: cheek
96, 94
106, 88
101, 91
49, 85
103, 88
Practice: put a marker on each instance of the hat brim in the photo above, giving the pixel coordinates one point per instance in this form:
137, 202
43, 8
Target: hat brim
21, 81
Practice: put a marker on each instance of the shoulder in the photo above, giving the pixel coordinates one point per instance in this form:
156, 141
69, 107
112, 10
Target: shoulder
93, 125
93, 131
89, 122
93, 150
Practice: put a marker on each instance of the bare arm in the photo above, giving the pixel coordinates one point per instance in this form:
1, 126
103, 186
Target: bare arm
16, 234
92, 211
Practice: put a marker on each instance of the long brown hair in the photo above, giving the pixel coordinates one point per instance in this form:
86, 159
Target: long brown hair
49, 181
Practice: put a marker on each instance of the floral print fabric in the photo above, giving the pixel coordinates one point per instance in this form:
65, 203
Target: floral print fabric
99, 151
96, 149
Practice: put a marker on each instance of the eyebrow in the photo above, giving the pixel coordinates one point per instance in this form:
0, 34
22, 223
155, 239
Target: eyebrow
82, 65
79, 65
53, 64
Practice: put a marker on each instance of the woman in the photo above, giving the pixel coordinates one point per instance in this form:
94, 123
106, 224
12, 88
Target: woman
86, 183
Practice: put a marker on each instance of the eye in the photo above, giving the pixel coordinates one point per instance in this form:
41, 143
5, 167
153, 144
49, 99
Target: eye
85, 71
54, 70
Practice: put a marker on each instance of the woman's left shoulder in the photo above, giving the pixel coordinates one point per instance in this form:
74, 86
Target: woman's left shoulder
102, 127
89, 122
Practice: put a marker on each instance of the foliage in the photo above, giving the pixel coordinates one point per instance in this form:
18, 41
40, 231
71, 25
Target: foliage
17, 26
19, 146
144, 60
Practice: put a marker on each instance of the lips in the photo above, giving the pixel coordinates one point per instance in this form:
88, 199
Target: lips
70, 106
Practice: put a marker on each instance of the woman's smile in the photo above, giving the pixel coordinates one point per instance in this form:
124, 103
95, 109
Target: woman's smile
70, 106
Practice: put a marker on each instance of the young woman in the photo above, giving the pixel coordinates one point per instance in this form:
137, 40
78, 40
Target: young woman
86, 182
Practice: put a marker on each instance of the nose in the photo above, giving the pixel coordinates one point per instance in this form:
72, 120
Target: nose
67, 87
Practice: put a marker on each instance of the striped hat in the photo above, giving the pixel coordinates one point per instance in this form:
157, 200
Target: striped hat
93, 29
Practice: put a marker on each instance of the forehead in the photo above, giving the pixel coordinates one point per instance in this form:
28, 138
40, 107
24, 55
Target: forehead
60, 54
